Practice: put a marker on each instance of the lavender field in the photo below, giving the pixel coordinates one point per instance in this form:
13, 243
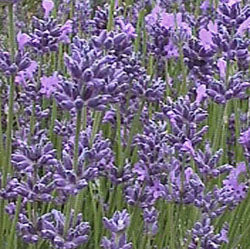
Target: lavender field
125, 124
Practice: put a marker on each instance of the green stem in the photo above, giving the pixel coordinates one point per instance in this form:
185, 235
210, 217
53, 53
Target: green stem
11, 96
71, 201
135, 125
138, 30
53, 118
118, 137
76, 147
96, 125
11, 239
111, 15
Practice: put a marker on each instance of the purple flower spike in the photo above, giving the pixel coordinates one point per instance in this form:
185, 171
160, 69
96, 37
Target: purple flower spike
22, 40
48, 6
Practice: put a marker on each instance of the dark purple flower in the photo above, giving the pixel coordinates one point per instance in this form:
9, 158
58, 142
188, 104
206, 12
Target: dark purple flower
51, 227
203, 234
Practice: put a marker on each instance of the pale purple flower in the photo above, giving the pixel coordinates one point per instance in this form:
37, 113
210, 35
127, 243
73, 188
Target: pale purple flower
243, 27
212, 27
49, 84
222, 65
232, 2
206, 38
22, 39
188, 173
154, 16
48, 6
168, 20
201, 93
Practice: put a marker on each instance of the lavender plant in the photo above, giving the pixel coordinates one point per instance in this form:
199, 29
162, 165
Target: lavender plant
125, 124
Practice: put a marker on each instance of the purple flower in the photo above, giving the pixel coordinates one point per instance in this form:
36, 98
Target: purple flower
26, 75
27, 159
207, 163
232, 182
127, 28
188, 147
172, 50
206, 38
22, 40
118, 223
150, 217
154, 16
244, 139
203, 234
233, 2
66, 29
51, 227
245, 26
116, 243
49, 84
48, 6
201, 93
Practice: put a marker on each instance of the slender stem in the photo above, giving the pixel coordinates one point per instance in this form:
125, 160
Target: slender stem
76, 147
138, 30
111, 15
135, 125
11, 239
11, 95
53, 118
118, 137
96, 125
71, 201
